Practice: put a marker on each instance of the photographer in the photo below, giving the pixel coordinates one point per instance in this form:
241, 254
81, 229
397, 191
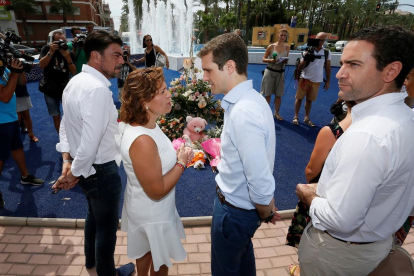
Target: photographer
10, 141
311, 78
127, 68
76, 47
57, 63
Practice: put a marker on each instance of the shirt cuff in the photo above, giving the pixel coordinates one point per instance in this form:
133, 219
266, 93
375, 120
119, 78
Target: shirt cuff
62, 147
81, 172
260, 199
317, 201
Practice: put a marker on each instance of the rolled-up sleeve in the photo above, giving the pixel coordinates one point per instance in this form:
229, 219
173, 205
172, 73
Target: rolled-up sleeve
94, 110
63, 145
250, 135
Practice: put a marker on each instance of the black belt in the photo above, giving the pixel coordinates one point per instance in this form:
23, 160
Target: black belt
274, 70
346, 241
222, 200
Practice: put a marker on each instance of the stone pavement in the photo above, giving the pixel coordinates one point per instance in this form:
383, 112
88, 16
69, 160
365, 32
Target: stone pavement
59, 251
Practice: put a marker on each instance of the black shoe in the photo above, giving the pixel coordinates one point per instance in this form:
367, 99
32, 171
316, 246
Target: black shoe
2, 203
31, 179
23, 127
24, 130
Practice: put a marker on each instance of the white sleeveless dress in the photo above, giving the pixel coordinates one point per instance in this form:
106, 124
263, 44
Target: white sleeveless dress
152, 225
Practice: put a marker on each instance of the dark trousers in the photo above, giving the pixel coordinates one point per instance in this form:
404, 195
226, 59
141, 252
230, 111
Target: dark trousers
231, 241
103, 191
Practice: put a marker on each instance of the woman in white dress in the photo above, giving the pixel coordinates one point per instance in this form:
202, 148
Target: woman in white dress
153, 168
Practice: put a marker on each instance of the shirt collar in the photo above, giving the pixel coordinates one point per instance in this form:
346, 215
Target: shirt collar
234, 95
382, 100
90, 70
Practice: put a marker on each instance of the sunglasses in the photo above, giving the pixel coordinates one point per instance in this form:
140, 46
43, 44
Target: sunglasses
146, 40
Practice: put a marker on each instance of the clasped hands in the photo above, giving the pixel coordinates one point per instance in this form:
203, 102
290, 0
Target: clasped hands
66, 181
306, 192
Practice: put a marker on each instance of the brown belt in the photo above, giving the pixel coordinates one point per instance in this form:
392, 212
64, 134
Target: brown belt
222, 200
346, 241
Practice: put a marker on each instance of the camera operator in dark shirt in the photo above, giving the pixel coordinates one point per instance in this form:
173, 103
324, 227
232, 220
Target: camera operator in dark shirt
57, 63
76, 47
127, 68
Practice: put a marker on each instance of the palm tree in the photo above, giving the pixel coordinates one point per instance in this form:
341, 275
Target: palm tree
22, 8
259, 10
206, 23
63, 7
228, 21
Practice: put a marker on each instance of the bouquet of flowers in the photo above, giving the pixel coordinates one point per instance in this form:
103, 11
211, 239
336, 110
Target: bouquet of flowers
172, 127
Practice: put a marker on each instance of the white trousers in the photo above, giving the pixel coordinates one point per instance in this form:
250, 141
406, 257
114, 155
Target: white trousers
320, 254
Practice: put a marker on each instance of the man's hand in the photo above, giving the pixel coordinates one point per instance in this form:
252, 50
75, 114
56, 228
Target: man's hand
265, 210
65, 183
66, 168
53, 47
16, 66
326, 86
306, 193
65, 54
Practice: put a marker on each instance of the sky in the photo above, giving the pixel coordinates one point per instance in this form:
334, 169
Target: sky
116, 9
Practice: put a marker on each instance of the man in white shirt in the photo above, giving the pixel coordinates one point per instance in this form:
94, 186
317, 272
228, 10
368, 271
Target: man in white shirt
311, 78
245, 184
365, 192
87, 143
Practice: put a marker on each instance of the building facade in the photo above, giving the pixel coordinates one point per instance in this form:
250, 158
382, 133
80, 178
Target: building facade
42, 22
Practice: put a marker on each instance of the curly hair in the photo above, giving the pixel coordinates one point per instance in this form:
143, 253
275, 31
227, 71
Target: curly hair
140, 87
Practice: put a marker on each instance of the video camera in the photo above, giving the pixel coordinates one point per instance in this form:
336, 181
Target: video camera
7, 51
310, 55
81, 40
125, 55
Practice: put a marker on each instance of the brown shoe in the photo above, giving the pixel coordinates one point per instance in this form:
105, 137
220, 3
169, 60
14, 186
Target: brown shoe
295, 121
308, 122
278, 117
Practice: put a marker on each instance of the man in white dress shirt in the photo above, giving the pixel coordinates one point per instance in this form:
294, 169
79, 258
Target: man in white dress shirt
365, 192
245, 184
87, 143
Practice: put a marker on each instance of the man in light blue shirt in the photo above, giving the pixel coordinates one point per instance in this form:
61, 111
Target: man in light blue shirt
245, 184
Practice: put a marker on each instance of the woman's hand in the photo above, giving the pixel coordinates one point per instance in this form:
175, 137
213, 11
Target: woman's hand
182, 153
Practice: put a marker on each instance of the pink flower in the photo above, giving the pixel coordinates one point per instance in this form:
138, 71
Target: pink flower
197, 94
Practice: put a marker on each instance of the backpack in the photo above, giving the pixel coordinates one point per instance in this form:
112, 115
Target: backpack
297, 73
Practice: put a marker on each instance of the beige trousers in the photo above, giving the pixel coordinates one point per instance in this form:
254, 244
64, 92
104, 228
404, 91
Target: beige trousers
320, 254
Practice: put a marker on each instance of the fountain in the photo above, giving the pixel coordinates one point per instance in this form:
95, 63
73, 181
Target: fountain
171, 29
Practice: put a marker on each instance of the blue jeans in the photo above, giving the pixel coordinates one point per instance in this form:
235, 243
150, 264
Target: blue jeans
231, 241
103, 191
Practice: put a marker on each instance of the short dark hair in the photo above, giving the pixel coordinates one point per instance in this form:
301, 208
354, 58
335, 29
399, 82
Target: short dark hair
143, 41
54, 35
73, 29
98, 41
89, 23
227, 47
391, 43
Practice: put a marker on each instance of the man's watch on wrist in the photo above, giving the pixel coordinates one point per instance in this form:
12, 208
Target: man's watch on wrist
269, 218
48, 53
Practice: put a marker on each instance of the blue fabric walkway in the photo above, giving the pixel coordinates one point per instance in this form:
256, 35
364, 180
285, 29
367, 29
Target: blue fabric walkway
196, 189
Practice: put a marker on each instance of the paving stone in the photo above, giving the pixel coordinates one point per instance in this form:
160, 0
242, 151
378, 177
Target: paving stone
28, 231
269, 242
173, 270
11, 238
273, 232
51, 239
40, 259
3, 257
31, 239
14, 248
47, 230
190, 247
256, 243
88, 272
204, 247
196, 239
199, 257
79, 233
201, 230
4, 268
10, 230
277, 272
56, 249
2, 246
61, 260
75, 249
65, 232
21, 269
263, 264
205, 268
71, 240
45, 270
285, 250
283, 261
265, 252
188, 269
121, 250
35, 248
69, 270
18, 258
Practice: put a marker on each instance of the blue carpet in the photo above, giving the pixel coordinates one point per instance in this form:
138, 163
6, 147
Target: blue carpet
196, 189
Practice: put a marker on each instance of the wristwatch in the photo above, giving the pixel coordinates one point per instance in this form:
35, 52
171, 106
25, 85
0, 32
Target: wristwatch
48, 54
269, 218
